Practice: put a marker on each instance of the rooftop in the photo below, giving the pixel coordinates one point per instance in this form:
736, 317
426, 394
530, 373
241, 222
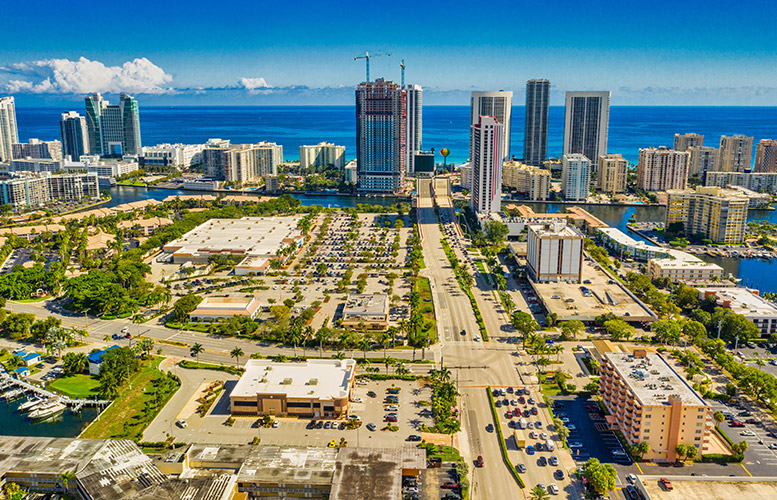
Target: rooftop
228, 456
373, 473
711, 488
321, 378
221, 306
742, 301
366, 304
256, 236
217, 486
683, 260
287, 464
559, 228
97, 356
652, 379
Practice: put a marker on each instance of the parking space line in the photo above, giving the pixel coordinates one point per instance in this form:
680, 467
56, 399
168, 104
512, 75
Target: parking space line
748, 472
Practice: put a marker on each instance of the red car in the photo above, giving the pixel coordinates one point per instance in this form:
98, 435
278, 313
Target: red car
479, 461
667, 484
516, 412
736, 423
592, 407
522, 400
449, 485
391, 418
509, 414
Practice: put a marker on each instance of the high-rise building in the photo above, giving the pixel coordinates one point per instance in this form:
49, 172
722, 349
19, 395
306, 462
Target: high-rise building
703, 159
323, 154
75, 135
35, 148
241, 163
498, 104
415, 125
486, 143
32, 190
684, 142
611, 174
268, 156
736, 153
651, 402
465, 169
114, 129
715, 213
586, 123
535, 136
766, 156
380, 136
534, 182
661, 169
8, 132
554, 252
575, 177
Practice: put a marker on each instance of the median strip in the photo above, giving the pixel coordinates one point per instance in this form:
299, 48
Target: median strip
502, 445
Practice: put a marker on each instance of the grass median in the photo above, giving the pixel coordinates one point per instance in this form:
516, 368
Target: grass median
502, 445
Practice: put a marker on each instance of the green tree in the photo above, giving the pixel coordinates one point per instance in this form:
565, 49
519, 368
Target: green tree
184, 306
570, 329
196, 350
666, 331
600, 476
74, 362
619, 329
236, 353
691, 452
539, 493
525, 324
718, 417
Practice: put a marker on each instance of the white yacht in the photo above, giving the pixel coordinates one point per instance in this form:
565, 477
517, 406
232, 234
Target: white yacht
50, 408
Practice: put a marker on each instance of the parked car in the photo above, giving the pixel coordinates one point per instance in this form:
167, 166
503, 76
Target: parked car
520, 468
414, 437
575, 444
553, 461
553, 489
559, 474
371, 426
391, 418
479, 461
490, 428
450, 485
666, 484
530, 450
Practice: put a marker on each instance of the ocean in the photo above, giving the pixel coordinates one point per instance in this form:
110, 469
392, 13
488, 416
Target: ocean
631, 127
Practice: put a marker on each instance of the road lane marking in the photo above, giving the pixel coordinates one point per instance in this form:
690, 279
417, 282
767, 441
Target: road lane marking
748, 472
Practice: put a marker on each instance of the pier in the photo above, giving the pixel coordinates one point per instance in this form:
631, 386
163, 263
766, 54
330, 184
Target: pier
75, 405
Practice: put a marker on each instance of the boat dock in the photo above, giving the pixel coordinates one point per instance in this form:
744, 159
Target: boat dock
7, 382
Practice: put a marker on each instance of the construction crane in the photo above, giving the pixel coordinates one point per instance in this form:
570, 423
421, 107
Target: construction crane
402, 65
366, 56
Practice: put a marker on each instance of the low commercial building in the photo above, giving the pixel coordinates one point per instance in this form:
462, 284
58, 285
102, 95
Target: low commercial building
314, 388
748, 303
712, 212
757, 200
146, 227
624, 246
322, 154
95, 360
366, 309
217, 308
243, 238
201, 184
650, 401
554, 253
682, 267
532, 182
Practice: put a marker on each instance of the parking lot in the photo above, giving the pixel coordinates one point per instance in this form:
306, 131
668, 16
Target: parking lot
589, 435
411, 413
760, 437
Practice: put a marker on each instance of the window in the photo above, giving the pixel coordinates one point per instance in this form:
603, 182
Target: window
244, 403
298, 405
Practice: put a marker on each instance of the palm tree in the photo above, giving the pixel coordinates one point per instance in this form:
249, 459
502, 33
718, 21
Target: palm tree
539, 493
322, 335
65, 478
195, 350
307, 334
236, 353
364, 345
340, 355
388, 362
109, 387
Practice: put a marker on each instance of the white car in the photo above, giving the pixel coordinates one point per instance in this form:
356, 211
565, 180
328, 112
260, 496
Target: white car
571, 427
358, 400
276, 424
533, 435
476, 339
576, 444
125, 329
631, 478
544, 436
514, 402
392, 408
181, 423
747, 433
618, 453
553, 489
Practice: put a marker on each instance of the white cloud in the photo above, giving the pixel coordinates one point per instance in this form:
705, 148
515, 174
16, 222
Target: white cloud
63, 76
252, 83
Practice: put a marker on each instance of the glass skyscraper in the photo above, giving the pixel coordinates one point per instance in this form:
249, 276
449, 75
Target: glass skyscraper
535, 137
113, 129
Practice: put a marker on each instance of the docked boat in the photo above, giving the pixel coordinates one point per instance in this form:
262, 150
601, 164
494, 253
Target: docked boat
47, 410
14, 394
30, 404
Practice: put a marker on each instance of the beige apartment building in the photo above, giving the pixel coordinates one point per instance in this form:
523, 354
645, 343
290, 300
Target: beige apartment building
766, 156
612, 173
532, 181
716, 213
242, 163
703, 159
322, 154
661, 169
650, 401
681, 267
736, 153
684, 142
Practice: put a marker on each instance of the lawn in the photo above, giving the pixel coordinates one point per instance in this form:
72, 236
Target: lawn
136, 407
76, 386
427, 304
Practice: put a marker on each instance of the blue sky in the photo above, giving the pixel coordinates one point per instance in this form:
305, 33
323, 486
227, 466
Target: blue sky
301, 52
